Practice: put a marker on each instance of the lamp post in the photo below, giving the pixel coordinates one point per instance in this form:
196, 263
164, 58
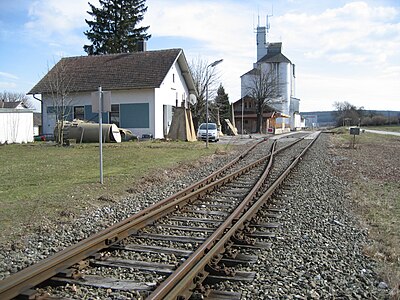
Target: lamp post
212, 65
242, 115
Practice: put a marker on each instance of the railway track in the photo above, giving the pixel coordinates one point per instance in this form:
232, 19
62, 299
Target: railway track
179, 244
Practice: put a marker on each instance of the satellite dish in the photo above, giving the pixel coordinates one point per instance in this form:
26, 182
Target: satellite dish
192, 99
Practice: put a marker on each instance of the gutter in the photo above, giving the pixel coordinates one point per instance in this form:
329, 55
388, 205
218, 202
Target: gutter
33, 95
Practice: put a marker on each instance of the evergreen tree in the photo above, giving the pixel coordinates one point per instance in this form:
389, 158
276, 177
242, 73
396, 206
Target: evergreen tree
222, 103
113, 28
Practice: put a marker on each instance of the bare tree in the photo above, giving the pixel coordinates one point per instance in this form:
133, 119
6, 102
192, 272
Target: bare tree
347, 114
203, 76
16, 97
264, 87
59, 83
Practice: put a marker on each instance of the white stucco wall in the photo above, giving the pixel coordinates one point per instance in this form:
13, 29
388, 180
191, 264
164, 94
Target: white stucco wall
16, 126
117, 97
137, 96
286, 85
283, 102
171, 89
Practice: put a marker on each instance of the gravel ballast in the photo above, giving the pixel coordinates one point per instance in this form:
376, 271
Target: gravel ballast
317, 252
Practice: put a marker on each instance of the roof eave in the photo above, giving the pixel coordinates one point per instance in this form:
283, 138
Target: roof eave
184, 66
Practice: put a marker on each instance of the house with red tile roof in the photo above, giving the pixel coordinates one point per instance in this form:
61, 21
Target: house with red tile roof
144, 86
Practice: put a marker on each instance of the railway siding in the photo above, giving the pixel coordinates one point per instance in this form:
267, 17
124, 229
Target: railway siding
301, 232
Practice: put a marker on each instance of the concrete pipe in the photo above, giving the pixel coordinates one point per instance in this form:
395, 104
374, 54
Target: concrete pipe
84, 132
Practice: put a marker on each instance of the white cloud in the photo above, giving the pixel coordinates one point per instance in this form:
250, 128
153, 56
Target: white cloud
219, 30
344, 41
367, 91
8, 75
57, 21
214, 23
331, 48
346, 53
356, 33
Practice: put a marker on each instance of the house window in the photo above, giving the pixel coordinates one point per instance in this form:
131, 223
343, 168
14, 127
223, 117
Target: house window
79, 112
173, 78
114, 114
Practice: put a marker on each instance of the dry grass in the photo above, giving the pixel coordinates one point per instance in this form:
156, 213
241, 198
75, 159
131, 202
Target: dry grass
373, 167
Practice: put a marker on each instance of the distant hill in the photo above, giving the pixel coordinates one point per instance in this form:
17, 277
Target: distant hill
327, 118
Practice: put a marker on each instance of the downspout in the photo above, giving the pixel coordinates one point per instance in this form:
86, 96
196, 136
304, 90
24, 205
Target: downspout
41, 109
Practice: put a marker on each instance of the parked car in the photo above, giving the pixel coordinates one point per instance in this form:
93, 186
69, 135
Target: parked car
212, 132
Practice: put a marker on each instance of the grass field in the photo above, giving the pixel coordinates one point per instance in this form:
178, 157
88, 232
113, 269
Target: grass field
65, 180
373, 169
393, 128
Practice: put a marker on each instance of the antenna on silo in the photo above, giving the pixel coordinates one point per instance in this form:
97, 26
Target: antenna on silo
268, 25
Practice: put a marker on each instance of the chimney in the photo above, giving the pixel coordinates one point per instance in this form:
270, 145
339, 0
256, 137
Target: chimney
141, 46
261, 42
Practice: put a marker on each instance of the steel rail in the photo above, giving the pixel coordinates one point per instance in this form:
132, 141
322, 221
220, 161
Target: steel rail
31, 276
180, 284
176, 278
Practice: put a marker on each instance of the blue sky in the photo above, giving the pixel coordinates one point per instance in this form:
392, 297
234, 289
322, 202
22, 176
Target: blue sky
343, 50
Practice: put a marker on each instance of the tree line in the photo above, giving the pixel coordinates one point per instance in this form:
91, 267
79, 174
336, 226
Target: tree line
347, 114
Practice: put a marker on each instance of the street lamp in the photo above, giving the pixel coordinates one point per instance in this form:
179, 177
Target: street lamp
212, 65
242, 115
